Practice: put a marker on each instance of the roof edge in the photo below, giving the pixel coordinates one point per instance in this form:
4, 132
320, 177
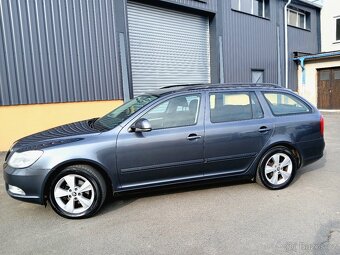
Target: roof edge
318, 55
310, 3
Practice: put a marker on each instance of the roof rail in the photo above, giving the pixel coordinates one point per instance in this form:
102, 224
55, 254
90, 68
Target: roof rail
251, 84
183, 85
232, 84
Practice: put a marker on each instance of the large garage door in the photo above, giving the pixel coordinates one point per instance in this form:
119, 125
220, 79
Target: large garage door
167, 47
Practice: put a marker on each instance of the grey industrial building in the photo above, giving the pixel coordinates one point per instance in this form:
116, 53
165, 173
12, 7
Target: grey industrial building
72, 50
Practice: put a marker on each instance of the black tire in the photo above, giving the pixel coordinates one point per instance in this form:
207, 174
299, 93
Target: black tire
95, 195
263, 179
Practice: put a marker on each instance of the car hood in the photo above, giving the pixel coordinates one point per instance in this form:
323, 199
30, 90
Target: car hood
55, 136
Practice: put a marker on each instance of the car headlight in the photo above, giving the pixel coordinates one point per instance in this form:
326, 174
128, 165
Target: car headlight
24, 159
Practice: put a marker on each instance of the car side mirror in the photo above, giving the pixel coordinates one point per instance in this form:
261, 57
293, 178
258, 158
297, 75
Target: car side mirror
142, 125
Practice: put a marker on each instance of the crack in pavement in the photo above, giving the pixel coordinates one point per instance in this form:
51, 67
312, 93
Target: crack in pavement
330, 243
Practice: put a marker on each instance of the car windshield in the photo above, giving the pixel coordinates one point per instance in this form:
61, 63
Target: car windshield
118, 115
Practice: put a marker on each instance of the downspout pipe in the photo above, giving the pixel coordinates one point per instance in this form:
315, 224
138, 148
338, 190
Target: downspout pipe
302, 64
303, 80
286, 42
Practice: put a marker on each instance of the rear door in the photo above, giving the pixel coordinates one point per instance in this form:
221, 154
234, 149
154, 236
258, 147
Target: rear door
235, 131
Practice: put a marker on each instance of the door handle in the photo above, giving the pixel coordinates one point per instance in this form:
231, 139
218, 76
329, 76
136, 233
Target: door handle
264, 129
193, 137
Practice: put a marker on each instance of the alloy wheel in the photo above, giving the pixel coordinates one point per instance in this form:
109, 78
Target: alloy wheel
278, 169
74, 193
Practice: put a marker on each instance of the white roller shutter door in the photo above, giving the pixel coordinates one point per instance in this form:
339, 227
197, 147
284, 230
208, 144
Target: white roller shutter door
167, 47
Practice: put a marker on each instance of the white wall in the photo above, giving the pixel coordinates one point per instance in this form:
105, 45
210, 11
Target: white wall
330, 10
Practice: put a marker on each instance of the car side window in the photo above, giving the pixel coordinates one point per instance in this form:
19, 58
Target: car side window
234, 106
285, 104
176, 112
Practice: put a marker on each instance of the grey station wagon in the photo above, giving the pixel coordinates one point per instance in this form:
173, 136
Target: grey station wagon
177, 134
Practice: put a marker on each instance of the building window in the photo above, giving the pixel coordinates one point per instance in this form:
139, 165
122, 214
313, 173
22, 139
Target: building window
255, 7
325, 75
257, 76
297, 18
338, 29
336, 74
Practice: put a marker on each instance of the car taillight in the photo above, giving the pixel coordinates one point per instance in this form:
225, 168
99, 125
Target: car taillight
322, 125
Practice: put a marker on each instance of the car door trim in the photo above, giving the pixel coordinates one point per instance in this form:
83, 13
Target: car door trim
161, 166
232, 157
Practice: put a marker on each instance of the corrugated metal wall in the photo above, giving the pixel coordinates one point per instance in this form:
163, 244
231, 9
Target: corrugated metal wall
302, 41
57, 51
250, 43
66, 50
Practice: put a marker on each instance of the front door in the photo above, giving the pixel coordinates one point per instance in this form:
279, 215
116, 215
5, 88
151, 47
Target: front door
171, 151
329, 88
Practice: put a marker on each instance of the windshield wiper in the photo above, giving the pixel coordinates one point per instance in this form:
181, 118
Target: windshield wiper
91, 122
97, 125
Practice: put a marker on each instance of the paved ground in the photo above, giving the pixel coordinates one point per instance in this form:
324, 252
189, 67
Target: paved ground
238, 218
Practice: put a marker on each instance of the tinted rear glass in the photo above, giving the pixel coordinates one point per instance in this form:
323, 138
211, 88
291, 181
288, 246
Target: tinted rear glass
285, 104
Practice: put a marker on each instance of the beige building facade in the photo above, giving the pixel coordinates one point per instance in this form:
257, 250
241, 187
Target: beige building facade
311, 89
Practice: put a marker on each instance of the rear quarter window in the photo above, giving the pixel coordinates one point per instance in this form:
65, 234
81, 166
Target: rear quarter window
285, 104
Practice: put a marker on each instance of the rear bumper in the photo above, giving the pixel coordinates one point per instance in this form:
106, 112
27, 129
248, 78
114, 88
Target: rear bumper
31, 181
311, 151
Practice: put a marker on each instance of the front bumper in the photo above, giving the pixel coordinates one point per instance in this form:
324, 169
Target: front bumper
30, 180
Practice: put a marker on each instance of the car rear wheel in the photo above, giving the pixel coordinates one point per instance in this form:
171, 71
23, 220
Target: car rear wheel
277, 168
77, 192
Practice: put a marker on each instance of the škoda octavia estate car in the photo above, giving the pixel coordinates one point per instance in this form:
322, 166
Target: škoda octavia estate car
177, 134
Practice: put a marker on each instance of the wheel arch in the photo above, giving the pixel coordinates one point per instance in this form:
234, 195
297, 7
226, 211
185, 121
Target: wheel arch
65, 164
292, 148
288, 145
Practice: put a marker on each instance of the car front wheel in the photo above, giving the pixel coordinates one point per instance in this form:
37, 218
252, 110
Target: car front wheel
277, 168
77, 192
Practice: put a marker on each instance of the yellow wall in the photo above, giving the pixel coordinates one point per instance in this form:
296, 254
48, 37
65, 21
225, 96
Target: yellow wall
22, 120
